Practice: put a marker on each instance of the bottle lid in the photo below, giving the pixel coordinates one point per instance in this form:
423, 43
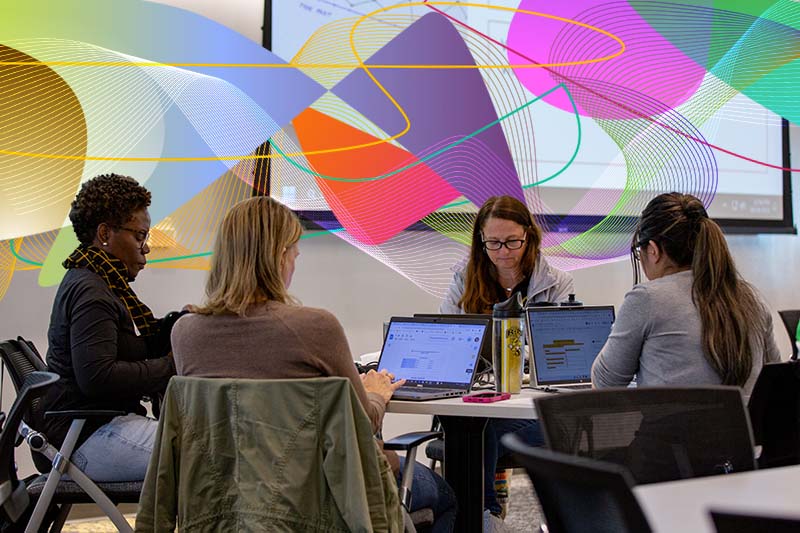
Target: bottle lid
571, 301
511, 308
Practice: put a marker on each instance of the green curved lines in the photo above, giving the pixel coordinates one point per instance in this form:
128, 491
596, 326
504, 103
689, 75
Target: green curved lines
23, 259
397, 171
450, 147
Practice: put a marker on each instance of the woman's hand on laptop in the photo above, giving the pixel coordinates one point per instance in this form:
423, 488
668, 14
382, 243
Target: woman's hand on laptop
381, 383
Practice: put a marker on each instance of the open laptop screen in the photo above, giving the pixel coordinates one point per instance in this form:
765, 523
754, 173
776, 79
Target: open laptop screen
433, 352
564, 341
486, 351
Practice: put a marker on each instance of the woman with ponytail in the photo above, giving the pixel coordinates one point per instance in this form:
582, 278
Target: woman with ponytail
696, 321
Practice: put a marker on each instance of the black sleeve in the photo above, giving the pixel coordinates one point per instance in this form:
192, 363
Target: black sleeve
160, 344
94, 333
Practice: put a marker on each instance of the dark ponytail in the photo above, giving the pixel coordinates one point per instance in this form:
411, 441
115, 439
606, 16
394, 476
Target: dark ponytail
730, 312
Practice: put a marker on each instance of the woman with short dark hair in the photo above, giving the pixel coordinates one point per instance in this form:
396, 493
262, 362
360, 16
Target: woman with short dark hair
104, 343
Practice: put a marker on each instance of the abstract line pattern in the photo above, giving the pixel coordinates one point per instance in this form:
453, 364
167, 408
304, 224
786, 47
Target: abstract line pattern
389, 120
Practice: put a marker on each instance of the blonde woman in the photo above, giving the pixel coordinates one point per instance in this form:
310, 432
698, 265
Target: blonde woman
250, 327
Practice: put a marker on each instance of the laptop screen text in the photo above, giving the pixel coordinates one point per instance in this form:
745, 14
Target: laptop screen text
565, 343
438, 354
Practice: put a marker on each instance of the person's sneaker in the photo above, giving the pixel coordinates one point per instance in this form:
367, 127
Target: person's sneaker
493, 523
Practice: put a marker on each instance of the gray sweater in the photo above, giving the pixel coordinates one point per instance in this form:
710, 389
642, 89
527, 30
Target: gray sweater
548, 284
657, 336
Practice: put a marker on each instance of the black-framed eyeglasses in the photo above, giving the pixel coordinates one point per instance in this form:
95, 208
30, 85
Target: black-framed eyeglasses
511, 244
141, 235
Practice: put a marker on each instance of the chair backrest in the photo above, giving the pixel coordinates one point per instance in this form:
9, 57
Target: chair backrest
21, 359
13, 496
790, 318
293, 453
579, 494
658, 433
775, 413
738, 523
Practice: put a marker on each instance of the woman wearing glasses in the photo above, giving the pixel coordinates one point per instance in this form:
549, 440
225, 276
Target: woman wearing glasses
103, 341
504, 259
696, 321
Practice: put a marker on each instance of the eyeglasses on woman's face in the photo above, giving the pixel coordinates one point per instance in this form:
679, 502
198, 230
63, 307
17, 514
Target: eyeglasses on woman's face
511, 244
141, 235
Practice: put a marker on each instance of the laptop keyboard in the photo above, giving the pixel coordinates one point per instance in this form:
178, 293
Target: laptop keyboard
423, 389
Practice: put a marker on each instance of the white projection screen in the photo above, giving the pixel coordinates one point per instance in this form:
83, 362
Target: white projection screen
752, 190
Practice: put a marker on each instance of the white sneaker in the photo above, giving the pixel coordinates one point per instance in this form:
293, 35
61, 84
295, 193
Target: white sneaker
492, 523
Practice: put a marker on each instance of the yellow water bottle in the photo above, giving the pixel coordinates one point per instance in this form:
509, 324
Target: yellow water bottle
507, 339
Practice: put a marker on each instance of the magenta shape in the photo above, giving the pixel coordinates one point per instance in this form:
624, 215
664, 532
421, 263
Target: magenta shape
651, 65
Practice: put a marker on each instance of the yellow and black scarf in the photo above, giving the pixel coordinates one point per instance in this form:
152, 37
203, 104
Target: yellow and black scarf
114, 272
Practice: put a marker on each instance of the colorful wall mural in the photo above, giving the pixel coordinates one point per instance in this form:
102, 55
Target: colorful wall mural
386, 120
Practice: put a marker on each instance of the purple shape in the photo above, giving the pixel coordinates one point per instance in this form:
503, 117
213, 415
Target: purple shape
441, 104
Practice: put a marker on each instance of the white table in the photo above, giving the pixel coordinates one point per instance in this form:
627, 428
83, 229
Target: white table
684, 505
518, 406
463, 424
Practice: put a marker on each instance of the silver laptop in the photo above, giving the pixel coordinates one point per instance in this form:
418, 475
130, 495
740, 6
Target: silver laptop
436, 356
563, 342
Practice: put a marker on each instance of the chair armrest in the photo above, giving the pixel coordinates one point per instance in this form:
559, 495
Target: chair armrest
83, 413
411, 440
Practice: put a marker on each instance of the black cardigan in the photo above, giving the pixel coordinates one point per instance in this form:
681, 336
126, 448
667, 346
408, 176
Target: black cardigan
102, 362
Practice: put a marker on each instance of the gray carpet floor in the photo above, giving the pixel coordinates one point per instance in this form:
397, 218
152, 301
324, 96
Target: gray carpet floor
524, 514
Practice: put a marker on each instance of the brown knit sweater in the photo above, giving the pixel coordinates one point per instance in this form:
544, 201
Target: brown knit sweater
274, 341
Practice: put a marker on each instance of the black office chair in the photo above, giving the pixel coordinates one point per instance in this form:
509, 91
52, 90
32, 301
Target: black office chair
15, 502
790, 318
52, 493
775, 413
579, 494
434, 451
658, 433
739, 523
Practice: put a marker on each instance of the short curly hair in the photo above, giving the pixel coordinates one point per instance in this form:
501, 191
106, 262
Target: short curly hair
108, 198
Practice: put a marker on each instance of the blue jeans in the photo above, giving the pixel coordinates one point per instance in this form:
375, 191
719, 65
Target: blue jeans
527, 430
430, 491
119, 450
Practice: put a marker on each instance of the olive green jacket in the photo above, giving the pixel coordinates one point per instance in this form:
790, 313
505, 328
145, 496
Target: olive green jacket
266, 455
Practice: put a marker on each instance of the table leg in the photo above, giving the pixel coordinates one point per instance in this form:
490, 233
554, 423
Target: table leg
463, 467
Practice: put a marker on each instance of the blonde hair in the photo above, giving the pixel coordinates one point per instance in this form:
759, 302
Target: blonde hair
248, 256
